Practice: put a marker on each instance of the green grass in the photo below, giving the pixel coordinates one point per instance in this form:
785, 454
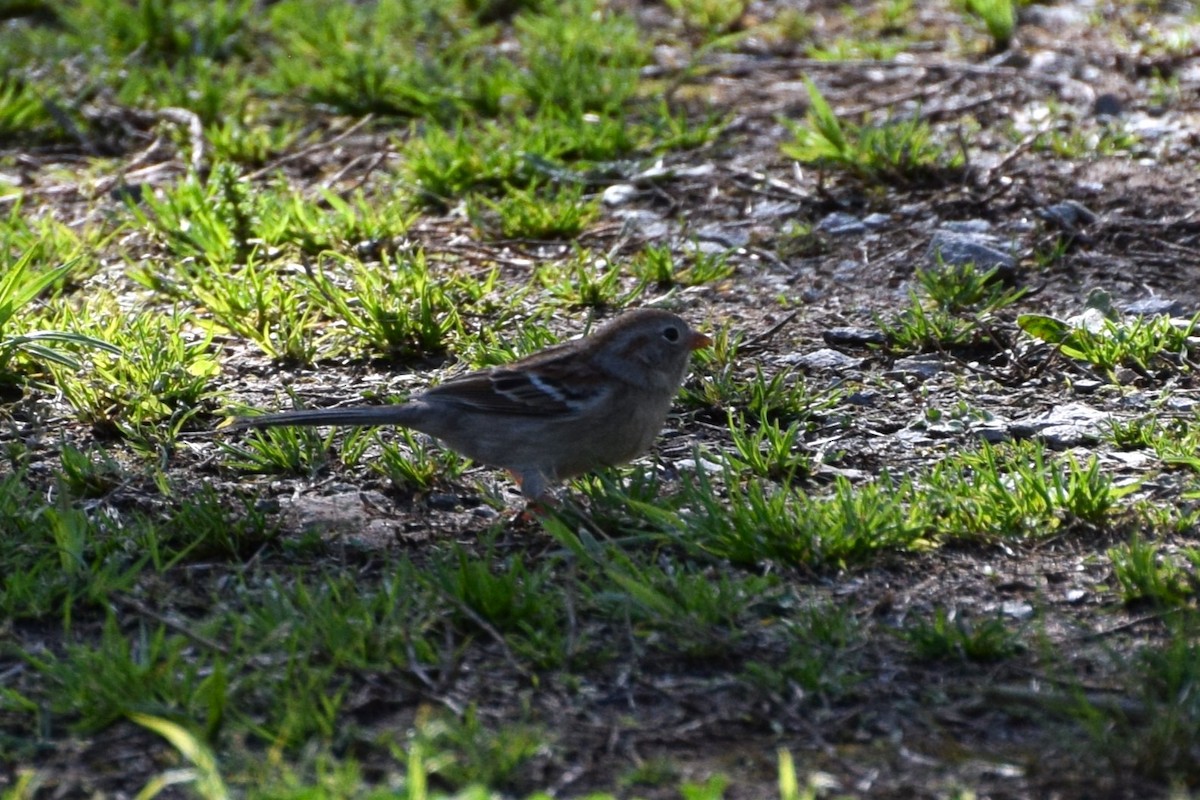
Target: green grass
1149, 576
658, 267
23, 114
953, 308
411, 463
23, 350
1154, 733
1145, 345
712, 16
383, 194
287, 450
770, 450
1068, 139
896, 150
559, 213
989, 494
162, 373
999, 18
949, 636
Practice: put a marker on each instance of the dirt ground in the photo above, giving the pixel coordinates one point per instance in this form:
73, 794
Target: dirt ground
906, 730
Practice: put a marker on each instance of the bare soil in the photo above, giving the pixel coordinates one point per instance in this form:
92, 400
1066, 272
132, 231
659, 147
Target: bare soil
908, 729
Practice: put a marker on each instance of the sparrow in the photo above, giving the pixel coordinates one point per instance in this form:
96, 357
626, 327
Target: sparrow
566, 410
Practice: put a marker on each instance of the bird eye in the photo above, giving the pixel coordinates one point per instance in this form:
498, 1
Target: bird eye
671, 334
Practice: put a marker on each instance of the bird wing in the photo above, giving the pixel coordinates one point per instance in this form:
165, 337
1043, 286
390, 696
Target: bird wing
539, 386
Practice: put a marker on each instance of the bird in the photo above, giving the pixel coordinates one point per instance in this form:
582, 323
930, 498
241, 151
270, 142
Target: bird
569, 409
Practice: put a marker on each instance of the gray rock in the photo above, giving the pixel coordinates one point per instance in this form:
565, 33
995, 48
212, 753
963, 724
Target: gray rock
1108, 105
1068, 425
444, 501
985, 252
774, 208
644, 223
1178, 403
1155, 306
661, 172
992, 433
1017, 609
874, 221
981, 425
726, 236
823, 359
694, 465
1055, 18
345, 513
923, 367
866, 398
968, 227
848, 270
1067, 215
839, 223
619, 194
853, 337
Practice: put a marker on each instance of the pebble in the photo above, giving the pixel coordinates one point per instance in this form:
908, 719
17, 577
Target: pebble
1094, 320
1055, 18
659, 172
1108, 105
1155, 306
727, 236
824, 359
444, 501
866, 399
619, 194
952, 248
345, 512
1016, 609
696, 465
839, 223
923, 366
646, 224
966, 226
1184, 404
853, 337
1067, 215
774, 208
992, 433
1068, 425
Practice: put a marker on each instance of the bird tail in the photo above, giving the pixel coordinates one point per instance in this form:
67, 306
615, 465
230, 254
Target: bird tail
352, 415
